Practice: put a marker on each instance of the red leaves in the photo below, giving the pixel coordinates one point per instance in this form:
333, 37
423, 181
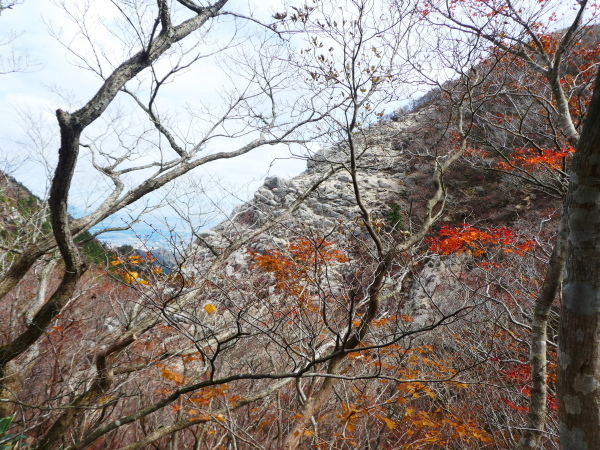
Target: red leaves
468, 239
514, 406
521, 377
530, 159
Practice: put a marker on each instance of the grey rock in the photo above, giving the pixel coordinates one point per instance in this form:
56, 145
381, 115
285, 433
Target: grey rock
274, 182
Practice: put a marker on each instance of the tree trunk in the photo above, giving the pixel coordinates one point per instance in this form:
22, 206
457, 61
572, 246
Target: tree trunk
539, 335
579, 340
312, 405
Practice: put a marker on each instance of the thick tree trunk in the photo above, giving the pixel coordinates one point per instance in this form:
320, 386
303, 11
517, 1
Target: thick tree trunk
579, 340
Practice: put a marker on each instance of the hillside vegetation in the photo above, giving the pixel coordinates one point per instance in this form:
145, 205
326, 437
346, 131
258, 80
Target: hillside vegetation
401, 293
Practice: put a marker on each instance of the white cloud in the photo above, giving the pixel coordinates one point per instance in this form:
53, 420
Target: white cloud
54, 82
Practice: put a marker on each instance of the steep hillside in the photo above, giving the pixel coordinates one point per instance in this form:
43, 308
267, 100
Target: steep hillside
452, 317
386, 298
24, 218
455, 306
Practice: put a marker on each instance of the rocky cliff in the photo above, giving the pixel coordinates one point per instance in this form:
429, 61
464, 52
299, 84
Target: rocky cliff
395, 170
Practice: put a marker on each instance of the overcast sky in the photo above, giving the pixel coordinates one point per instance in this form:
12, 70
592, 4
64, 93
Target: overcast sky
28, 99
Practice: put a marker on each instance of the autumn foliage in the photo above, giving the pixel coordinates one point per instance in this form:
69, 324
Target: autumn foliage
474, 241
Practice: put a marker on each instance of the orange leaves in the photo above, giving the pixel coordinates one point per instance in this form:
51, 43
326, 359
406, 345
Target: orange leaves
135, 259
171, 375
439, 429
388, 422
468, 239
312, 251
210, 308
206, 395
299, 264
349, 414
514, 406
302, 255
468, 430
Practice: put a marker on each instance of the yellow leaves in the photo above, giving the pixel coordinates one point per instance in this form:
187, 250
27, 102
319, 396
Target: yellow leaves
389, 422
130, 277
308, 433
136, 259
105, 399
429, 392
210, 308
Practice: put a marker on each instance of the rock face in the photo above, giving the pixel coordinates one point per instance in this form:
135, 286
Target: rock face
435, 291
16, 203
395, 180
382, 179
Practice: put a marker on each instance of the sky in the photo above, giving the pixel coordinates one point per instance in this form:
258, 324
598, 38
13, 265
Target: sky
52, 79
43, 33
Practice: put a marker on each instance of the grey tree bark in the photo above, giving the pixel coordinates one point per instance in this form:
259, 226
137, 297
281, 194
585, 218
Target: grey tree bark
579, 338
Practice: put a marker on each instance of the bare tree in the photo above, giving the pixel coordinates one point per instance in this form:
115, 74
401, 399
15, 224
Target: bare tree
269, 330
159, 33
524, 33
